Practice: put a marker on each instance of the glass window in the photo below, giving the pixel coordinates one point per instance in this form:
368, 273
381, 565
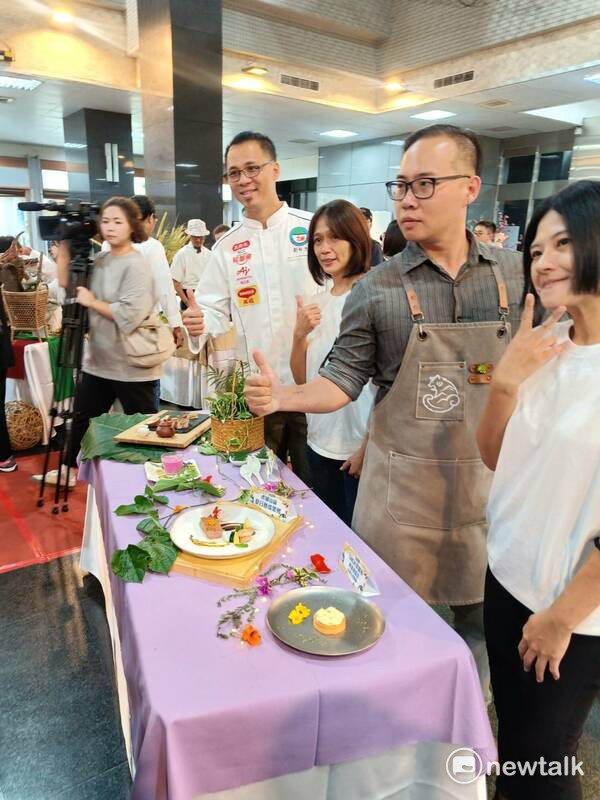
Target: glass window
519, 169
555, 166
516, 211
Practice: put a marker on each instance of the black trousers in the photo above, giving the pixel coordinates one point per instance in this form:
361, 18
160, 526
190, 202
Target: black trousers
5, 450
96, 395
537, 720
335, 488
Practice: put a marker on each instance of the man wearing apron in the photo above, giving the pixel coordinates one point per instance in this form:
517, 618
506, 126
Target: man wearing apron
428, 327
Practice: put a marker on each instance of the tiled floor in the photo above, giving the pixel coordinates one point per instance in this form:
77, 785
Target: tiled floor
60, 735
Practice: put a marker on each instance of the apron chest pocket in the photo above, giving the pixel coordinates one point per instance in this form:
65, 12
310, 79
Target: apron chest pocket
443, 495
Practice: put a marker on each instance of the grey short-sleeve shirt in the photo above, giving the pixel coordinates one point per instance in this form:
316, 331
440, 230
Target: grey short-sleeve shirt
126, 283
377, 322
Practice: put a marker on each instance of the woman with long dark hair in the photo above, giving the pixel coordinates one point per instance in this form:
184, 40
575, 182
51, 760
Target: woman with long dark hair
339, 254
541, 434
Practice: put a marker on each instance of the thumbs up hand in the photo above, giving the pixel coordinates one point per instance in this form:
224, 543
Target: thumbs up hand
307, 319
263, 391
193, 317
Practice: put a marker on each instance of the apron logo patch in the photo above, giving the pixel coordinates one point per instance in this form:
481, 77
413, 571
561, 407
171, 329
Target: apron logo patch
443, 397
248, 296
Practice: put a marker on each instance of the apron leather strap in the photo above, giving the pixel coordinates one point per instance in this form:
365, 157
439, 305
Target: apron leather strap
503, 307
416, 311
413, 301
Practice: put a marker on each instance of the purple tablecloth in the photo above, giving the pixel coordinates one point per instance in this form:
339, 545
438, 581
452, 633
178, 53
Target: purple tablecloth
209, 714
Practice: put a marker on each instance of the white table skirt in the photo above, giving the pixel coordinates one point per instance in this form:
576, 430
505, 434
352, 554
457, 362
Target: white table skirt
181, 382
414, 772
37, 388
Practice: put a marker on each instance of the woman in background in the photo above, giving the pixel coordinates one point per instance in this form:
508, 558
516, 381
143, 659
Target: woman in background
339, 253
121, 295
540, 432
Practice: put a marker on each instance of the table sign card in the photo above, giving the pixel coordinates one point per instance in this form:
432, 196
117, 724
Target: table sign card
274, 504
357, 571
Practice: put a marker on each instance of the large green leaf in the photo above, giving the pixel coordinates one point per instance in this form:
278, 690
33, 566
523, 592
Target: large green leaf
141, 505
98, 441
131, 564
162, 553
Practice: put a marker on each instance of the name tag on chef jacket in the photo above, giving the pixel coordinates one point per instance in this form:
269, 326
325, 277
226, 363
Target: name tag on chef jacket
247, 295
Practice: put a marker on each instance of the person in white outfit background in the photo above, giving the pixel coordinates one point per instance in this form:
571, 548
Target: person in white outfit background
540, 433
257, 268
190, 262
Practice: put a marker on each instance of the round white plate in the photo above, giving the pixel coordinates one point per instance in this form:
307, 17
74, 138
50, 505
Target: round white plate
188, 524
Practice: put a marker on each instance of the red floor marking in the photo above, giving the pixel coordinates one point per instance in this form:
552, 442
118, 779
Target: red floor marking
20, 524
41, 560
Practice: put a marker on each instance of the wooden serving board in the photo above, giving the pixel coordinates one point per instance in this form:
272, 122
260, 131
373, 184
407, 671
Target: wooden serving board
138, 434
239, 572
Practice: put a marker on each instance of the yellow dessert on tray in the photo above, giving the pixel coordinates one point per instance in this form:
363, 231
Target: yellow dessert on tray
329, 621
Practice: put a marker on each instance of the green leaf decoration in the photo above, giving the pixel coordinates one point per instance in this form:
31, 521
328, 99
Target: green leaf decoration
150, 526
166, 484
207, 450
98, 441
162, 554
130, 564
141, 505
162, 499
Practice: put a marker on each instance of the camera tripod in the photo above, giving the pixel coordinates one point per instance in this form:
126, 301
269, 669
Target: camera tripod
70, 356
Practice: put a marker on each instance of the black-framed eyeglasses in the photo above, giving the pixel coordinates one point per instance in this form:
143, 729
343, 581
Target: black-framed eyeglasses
422, 188
234, 175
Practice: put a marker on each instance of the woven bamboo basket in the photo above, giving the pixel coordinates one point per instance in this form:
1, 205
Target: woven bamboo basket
249, 432
24, 423
26, 311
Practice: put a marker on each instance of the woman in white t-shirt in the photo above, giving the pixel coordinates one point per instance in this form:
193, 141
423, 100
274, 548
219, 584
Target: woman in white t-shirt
540, 432
339, 249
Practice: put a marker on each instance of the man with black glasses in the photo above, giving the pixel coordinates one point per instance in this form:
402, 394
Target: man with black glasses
256, 270
428, 327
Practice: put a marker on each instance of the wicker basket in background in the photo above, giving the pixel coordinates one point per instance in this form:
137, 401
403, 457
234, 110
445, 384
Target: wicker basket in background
249, 432
26, 311
24, 423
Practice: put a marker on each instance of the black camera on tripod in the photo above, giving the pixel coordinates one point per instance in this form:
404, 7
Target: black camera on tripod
75, 222
76, 219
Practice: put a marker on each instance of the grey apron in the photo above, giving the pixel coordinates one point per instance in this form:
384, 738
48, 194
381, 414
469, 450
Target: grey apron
423, 490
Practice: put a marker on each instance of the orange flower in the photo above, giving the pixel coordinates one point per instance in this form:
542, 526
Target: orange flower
177, 509
251, 636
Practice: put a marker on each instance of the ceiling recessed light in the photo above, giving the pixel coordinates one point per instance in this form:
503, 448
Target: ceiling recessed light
75, 145
435, 113
246, 83
338, 134
255, 69
185, 165
10, 82
62, 17
593, 78
393, 86
396, 142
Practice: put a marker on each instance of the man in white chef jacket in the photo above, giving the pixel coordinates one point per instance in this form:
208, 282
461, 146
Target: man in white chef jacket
190, 262
255, 273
